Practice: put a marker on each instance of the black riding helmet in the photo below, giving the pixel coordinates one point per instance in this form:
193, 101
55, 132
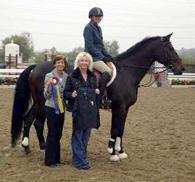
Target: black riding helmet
95, 12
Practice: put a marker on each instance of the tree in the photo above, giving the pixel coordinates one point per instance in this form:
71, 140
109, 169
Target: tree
112, 47
1, 55
72, 55
39, 57
24, 41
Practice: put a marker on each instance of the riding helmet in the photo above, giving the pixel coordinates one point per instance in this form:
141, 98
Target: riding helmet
95, 12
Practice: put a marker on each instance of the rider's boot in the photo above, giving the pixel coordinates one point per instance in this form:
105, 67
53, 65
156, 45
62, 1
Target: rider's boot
105, 103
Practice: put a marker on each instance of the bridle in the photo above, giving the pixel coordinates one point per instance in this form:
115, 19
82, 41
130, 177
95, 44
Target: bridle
168, 62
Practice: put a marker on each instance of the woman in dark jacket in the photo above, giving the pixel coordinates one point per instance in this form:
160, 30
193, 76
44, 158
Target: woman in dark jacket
81, 93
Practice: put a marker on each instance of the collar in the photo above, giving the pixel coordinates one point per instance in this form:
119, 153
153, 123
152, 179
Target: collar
55, 73
77, 73
94, 25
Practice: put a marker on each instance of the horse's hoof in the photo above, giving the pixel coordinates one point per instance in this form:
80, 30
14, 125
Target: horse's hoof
114, 158
25, 142
27, 150
110, 150
122, 155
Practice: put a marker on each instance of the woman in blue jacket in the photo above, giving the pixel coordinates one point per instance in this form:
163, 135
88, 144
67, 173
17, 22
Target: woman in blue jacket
94, 45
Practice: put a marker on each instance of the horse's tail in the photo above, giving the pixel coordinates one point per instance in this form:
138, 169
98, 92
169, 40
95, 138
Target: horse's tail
20, 104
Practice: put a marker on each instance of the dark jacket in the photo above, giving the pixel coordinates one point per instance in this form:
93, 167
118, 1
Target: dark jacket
94, 42
84, 107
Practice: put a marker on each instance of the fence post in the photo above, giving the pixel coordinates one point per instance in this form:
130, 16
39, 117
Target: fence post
9, 61
16, 60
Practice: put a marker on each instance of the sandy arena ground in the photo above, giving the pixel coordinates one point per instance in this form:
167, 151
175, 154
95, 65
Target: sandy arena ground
159, 139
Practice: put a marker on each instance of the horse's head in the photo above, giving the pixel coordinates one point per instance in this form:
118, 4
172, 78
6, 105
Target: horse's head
166, 54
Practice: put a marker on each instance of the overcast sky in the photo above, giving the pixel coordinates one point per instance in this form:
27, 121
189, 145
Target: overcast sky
60, 23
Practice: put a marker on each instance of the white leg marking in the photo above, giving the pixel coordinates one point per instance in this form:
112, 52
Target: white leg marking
118, 144
110, 150
25, 142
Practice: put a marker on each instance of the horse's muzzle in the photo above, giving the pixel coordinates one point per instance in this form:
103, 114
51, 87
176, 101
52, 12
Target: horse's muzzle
178, 70
177, 67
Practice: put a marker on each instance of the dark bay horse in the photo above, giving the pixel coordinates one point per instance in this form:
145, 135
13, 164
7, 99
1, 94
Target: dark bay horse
26, 111
28, 105
131, 67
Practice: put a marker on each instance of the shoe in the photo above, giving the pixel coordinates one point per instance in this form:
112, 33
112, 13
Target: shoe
26, 149
83, 166
60, 164
86, 167
52, 165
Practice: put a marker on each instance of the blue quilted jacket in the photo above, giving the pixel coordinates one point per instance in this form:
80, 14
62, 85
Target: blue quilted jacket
94, 42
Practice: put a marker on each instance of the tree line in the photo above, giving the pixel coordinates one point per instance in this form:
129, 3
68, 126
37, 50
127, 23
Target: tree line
25, 42
29, 55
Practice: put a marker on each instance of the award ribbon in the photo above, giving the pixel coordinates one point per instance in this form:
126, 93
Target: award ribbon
57, 96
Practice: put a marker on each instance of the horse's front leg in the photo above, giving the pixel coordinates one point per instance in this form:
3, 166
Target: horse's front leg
119, 115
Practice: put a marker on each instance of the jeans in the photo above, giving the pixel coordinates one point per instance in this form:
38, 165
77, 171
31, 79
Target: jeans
80, 139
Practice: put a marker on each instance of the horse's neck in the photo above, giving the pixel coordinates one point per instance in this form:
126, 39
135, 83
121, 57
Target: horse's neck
136, 68
138, 75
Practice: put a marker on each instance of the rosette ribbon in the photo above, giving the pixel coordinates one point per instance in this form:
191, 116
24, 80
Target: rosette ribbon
57, 96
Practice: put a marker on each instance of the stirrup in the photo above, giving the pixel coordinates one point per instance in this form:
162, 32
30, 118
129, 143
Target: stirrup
105, 103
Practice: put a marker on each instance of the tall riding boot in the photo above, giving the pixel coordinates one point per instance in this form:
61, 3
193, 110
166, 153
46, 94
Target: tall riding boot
104, 101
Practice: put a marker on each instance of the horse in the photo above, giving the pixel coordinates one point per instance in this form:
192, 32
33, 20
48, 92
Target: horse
131, 66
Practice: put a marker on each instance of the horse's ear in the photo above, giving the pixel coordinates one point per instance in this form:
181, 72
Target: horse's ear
167, 38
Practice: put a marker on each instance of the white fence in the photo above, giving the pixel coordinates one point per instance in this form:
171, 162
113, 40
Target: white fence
10, 73
184, 76
15, 73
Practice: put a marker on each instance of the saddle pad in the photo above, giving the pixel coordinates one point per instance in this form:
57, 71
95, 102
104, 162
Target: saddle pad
113, 75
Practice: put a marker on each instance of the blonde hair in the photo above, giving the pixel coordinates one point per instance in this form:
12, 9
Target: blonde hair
80, 56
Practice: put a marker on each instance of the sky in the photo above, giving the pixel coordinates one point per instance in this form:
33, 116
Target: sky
60, 23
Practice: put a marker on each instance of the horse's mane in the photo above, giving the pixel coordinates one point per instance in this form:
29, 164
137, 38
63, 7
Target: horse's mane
132, 50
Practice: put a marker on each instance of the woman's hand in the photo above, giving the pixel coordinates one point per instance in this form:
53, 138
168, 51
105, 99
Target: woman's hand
74, 94
97, 91
49, 83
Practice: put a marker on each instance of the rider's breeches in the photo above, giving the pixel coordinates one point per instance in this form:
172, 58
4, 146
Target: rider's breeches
102, 67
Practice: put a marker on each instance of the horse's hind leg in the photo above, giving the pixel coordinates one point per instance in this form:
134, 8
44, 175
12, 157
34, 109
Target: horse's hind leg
28, 120
39, 127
